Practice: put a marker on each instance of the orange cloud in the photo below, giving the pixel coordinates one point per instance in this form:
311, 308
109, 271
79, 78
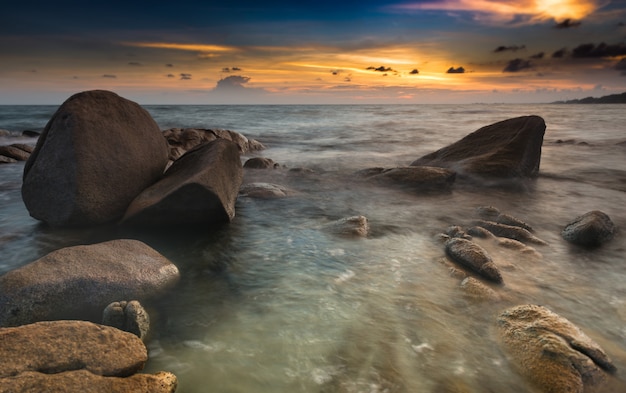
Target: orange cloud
530, 11
184, 47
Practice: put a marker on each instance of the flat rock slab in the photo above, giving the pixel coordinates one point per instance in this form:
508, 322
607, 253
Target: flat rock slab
57, 346
79, 282
551, 352
200, 187
509, 148
83, 381
96, 154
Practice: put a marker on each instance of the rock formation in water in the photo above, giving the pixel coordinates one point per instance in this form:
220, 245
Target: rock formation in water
472, 256
129, 316
76, 356
260, 163
200, 187
592, 229
96, 154
510, 148
509, 231
80, 281
552, 352
424, 178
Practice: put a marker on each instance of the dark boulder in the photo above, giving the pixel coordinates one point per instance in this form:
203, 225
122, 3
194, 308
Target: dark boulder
79, 282
260, 163
592, 229
551, 352
424, 178
510, 148
200, 187
95, 155
472, 256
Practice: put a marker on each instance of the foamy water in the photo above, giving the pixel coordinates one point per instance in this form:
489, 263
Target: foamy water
273, 303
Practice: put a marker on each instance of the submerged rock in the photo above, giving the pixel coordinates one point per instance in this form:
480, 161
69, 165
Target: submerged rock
592, 229
96, 154
475, 289
510, 231
551, 352
509, 148
471, 255
79, 282
265, 191
423, 178
355, 226
200, 187
260, 163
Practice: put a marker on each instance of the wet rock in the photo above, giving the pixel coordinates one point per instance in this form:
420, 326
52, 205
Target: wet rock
79, 282
592, 229
7, 160
265, 191
56, 346
260, 163
424, 178
506, 219
4, 132
96, 154
355, 226
512, 232
475, 289
127, 316
200, 187
82, 381
472, 256
479, 232
13, 151
551, 352
31, 134
510, 148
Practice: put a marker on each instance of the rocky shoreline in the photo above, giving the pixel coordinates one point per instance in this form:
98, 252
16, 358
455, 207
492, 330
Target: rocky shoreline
102, 160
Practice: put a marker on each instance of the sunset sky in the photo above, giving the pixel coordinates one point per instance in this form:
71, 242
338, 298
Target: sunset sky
322, 52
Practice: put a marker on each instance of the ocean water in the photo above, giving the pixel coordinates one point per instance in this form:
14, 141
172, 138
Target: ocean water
274, 303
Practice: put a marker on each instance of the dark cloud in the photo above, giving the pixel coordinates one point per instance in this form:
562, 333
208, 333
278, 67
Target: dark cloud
233, 82
414, 72
185, 76
621, 66
134, 64
169, 65
600, 50
236, 69
513, 48
109, 76
567, 23
380, 69
458, 70
348, 78
538, 56
225, 69
517, 65
170, 75
559, 53
335, 72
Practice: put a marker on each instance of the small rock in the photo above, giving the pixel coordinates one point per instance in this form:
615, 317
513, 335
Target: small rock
592, 229
510, 231
356, 226
265, 191
127, 316
479, 291
474, 257
260, 163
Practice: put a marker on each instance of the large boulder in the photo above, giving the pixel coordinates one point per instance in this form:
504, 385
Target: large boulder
181, 140
79, 282
590, 230
75, 356
551, 352
473, 257
95, 155
510, 148
200, 187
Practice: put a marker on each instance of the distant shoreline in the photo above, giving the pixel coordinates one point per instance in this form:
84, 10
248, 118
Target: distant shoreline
610, 99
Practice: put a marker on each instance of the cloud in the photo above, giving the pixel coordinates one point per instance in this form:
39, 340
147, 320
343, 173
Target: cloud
517, 65
225, 69
559, 53
538, 56
567, 23
458, 70
169, 65
233, 82
600, 50
513, 48
170, 75
621, 66
380, 69
414, 72
109, 76
184, 76
134, 64
236, 69
509, 13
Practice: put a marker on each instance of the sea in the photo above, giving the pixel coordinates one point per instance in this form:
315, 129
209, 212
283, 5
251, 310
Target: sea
273, 302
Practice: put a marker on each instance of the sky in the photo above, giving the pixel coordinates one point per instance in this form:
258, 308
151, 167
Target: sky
313, 51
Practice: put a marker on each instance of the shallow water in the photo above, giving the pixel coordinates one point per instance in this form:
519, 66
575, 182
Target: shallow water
274, 303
